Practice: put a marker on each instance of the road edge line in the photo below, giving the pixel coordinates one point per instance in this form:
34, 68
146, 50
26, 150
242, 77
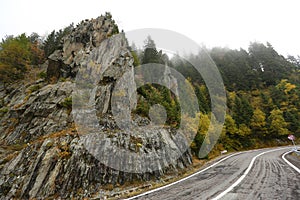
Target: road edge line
244, 174
288, 162
173, 183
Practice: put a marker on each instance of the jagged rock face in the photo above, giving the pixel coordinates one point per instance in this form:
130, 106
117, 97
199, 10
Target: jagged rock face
87, 35
38, 113
58, 159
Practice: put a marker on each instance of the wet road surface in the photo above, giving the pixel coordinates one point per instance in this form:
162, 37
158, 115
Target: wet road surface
269, 177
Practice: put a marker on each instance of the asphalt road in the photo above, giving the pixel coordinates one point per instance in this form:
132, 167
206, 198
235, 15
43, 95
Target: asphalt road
260, 174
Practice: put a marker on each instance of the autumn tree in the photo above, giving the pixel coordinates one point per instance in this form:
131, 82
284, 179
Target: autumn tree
243, 130
14, 58
228, 135
258, 123
37, 54
17, 54
202, 132
277, 124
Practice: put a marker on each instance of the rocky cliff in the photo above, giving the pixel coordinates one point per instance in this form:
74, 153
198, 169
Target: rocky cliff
45, 152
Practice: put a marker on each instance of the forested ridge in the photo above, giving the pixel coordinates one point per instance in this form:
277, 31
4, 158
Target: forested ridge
48, 101
262, 87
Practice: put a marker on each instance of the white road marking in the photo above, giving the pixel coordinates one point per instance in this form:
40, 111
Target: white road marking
245, 173
201, 171
290, 164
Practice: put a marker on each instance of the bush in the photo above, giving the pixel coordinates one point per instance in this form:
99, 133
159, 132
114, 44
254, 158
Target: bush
34, 88
42, 75
67, 103
3, 111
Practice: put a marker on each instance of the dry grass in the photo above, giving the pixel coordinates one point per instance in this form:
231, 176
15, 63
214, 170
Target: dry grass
14, 147
69, 131
9, 157
58, 134
109, 187
65, 154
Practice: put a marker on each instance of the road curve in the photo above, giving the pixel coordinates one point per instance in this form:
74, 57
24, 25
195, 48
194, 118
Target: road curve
259, 174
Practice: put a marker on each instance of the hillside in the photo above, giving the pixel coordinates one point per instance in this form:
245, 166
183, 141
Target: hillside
61, 137
262, 95
47, 154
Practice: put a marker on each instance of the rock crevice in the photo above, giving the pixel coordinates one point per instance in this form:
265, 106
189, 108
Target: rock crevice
54, 157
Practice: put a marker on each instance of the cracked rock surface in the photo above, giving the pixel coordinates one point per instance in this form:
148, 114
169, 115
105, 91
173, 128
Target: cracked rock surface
44, 154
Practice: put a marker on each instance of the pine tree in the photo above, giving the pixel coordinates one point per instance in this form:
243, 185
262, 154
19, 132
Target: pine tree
49, 44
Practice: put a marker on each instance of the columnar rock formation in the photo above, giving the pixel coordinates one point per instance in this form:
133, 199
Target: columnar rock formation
51, 157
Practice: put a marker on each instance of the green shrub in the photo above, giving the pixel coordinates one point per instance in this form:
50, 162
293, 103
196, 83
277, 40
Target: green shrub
42, 75
136, 60
67, 103
62, 79
34, 88
3, 111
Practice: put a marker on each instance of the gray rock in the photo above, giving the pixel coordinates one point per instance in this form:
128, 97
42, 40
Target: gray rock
37, 114
66, 158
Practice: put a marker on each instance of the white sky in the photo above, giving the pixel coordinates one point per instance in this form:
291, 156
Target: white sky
230, 23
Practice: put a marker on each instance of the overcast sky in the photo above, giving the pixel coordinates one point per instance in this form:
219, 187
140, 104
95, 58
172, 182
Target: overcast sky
226, 23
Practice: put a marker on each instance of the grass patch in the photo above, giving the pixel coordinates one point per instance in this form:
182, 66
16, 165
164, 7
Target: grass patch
62, 79
8, 158
14, 147
42, 75
34, 88
64, 154
3, 111
70, 131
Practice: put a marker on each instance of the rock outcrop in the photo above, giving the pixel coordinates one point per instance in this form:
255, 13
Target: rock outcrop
85, 37
49, 154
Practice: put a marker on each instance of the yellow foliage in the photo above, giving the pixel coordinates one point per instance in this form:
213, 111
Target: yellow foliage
285, 86
289, 87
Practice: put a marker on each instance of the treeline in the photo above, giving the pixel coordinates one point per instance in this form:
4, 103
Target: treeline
262, 87
19, 54
262, 94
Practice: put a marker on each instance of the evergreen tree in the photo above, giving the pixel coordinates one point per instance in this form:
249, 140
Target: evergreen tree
150, 53
270, 65
49, 45
242, 111
54, 40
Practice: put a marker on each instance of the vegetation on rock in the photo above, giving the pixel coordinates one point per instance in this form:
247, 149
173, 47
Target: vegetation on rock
38, 132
